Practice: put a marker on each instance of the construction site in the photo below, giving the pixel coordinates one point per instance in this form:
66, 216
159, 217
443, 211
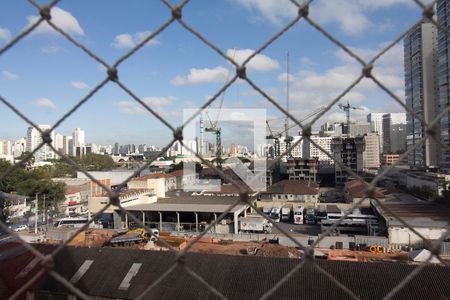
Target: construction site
269, 246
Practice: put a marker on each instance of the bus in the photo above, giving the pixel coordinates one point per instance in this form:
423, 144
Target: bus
71, 222
298, 215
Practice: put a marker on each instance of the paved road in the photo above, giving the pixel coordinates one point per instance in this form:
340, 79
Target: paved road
298, 228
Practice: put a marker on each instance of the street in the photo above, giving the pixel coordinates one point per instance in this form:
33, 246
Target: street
298, 228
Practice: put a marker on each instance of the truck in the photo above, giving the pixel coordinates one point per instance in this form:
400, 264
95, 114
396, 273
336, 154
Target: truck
135, 236
255, 224
310, 216
275, 214
298, 215
286, 212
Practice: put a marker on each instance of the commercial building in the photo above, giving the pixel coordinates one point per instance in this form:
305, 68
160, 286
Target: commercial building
187, 211
429, 219
394, 130
349, 152
420, 90
357, 129
443, 79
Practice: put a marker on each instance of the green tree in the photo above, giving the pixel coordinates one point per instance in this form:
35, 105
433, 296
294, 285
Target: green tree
97, 162
180, 166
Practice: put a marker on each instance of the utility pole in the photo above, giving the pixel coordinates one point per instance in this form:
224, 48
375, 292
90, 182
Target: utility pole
36, 215
44, 212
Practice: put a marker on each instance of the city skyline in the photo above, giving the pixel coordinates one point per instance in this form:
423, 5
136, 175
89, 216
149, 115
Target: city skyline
196, 72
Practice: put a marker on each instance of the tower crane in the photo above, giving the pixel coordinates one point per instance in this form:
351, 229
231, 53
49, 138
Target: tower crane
347, 108
213, 125
288, 139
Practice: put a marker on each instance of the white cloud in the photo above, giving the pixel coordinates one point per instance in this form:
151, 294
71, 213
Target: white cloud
126, 40
158, 101
321, 87
260, 62
9, 75
134, 108
79, 85
61, 18
206, 75
51, 49
44, 102
5, 34
349, 15
273, 10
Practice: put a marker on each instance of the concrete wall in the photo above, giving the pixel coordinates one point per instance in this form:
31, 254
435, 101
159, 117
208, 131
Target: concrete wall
403, 235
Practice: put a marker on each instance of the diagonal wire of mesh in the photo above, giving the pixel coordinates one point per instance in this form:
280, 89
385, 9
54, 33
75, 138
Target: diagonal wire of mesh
176, 16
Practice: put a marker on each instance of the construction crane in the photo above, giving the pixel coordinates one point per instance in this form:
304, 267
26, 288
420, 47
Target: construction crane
347, 108
213, 125
288, 139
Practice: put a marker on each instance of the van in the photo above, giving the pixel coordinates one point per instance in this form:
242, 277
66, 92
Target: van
310, 216
275, 214
298, 215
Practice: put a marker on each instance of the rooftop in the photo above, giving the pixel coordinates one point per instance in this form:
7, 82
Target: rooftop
417, 213
357, 189
182, 172
190, 202
152, 176
236, 277
301, 187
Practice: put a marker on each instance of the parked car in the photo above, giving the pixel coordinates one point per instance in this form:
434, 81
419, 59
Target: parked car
21, 227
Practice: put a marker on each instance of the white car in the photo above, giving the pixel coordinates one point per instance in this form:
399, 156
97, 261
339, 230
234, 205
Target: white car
21, 228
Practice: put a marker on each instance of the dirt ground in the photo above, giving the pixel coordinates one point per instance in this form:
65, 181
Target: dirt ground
246, 249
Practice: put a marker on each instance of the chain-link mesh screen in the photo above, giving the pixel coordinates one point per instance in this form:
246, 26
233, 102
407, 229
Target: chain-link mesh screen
112, 76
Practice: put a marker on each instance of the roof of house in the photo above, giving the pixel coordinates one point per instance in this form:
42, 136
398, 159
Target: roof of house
236, 277
152, 176
357, 189
299, 187
182, 172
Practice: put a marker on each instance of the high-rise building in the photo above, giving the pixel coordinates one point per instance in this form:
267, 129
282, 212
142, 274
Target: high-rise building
349, 152
19, 147
359, 129
233, 149
371, 153
420, 91
443, 80
6, 150
376, 125
79, 143
331, 129
394, 129
296, 151
34, 139
68, 145
59, 142
78, 137
310, 150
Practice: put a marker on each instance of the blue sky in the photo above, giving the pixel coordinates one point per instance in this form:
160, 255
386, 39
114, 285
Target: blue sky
44, 75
